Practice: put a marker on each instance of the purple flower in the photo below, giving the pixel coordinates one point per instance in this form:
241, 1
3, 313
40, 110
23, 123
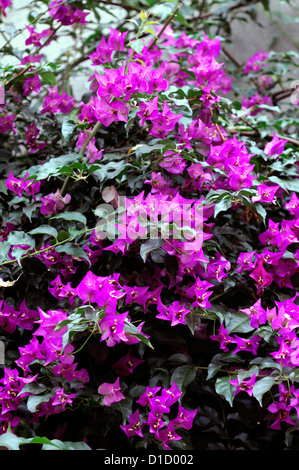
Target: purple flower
261, 277
3, 5
150, 392
65, 14
241, 176
14, 184
93, 154
31, 85
168, 435
247, 344
56, 103
218, 268
35, 37
269, 257
19, 185
8, 317
155, 423
30, 353
256, 62
265, 194
27, 317
48, 322
172, 394
293, 205
184, 418
107, 113
112, 327
136, 295
111, 392
201, 293
7, 123
254, 101
287, 317
116, 39
223, 338
283, 355
54, 202
126, 365
245, 385
134, 428
282, 412
102, 54
258, 316
159, 405
244, 261
148, 111
294, 401
275, 147
62, 398
271, 235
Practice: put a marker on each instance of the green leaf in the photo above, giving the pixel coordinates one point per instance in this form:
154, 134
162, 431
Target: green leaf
67, 445
132, 330
237, 105
10, 441
220, 360
67, 129
223, 205
4, 250
35, 400
286, 183
224, 388
39, 440
20, 238
33, 387
29, 209
150, 31
262, 386
125, 408
71, 215
44, 229
181, 19
48, 77
52, 167
238, 322
183, 376
148, 246
137, 45
73, 250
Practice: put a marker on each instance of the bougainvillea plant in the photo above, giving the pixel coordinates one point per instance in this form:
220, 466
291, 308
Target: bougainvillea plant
149, 233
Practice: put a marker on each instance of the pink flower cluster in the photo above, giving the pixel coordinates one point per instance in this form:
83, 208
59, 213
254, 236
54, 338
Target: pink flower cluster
138, 90
18, 185
65, 14
55, 102
156, 422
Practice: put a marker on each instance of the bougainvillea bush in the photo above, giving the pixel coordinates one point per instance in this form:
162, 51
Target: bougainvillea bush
149, 232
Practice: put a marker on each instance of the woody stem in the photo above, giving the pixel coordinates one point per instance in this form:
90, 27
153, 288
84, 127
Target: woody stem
87, 141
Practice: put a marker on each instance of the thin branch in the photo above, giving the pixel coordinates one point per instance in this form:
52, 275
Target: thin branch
281, 96
218, 128
219, 13
22, 72
169, 20
231, 57
233, 130
87, 141
122, 5
30, 24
